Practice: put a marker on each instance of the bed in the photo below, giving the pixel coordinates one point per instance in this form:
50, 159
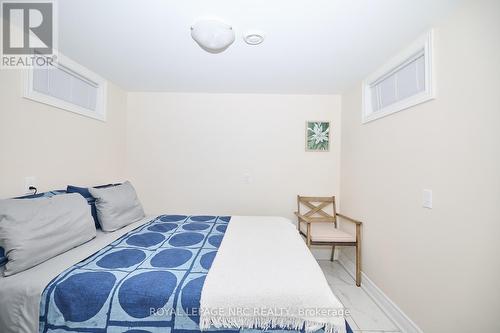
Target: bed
145, 277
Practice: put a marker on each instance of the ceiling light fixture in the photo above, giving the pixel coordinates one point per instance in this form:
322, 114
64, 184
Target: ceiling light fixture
254, 37
212, 36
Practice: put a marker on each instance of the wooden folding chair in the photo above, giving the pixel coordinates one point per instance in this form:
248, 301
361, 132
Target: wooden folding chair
320, 228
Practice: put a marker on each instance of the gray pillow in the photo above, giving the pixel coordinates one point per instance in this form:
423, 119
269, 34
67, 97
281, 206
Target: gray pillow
35, 230
117, 206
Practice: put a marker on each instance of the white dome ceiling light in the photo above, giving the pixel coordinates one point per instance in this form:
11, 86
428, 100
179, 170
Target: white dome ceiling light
254, 37
212, 36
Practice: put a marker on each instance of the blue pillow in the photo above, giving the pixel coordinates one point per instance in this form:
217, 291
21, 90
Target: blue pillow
84, 191
3, 258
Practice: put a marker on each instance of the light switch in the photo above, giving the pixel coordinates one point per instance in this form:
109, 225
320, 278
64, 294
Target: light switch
427, 199
247, 178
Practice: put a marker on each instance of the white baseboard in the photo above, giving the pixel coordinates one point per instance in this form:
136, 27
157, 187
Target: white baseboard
404, 323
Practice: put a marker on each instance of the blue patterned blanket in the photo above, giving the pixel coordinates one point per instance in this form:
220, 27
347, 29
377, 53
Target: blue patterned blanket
149, 280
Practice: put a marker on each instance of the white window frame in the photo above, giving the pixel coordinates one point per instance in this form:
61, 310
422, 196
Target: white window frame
423, 44
64, 62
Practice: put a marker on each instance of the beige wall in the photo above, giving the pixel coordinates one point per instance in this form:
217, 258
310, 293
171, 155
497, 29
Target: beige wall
440, 266
56, 146
189, 153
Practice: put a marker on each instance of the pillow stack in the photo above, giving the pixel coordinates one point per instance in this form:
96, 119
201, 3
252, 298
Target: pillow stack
3, 256
117, 206
35, 230
84, 191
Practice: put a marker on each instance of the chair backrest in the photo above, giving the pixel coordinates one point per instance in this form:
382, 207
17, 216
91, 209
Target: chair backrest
316, 208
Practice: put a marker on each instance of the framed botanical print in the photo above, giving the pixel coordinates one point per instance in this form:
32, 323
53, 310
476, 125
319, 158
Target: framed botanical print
317, 136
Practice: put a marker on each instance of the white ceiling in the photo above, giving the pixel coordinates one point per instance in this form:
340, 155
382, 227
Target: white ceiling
311, 46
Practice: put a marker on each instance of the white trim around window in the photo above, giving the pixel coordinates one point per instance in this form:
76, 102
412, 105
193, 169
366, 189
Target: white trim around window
69, 86
382, 92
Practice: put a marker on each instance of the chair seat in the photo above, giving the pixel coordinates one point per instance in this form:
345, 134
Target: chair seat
326, 232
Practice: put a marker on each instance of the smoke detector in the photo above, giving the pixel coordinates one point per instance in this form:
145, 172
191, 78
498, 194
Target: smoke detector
253, 37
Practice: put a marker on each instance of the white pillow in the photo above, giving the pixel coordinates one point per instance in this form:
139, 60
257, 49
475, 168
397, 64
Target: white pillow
117, 206
35, 230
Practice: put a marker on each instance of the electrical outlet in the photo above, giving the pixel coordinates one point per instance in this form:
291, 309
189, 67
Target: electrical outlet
29, 181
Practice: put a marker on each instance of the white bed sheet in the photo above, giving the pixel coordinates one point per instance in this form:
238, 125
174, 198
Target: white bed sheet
263, 277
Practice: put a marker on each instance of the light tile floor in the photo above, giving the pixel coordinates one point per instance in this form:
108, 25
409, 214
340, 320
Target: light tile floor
365, 314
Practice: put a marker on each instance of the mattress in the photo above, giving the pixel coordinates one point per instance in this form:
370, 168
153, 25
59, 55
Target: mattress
111, 284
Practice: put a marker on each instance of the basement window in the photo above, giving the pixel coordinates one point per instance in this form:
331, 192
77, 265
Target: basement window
68, 86
405, 81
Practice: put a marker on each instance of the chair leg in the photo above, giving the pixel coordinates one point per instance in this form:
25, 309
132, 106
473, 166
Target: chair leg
358, 264
308, 237
333, 253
